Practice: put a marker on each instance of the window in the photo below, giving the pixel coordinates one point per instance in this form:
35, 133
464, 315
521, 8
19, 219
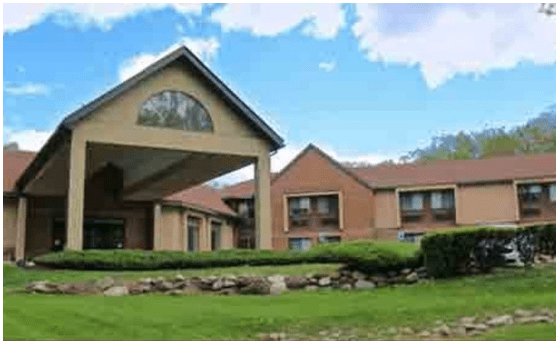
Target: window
176, 110
323, 205
329, 239
409, 237
305, 205
299, 207
103, 233
299, 244
243, 208
215, 235
531, 192
442, 200
411, 201
193, 233
552, 192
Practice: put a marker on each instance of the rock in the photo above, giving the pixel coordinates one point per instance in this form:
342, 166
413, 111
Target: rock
460, 331
116, 291
29, 264
411, 277
363, 284
278, 286
73, 288
135, 288
228, 291
522, 313
392, 330
227, 283
146, 281
533, 319
424, 333
324, 281
467, 319
312, 288
191, 290
442, 330
547, 312
276, 279
180, 278
405, 271
146, 287
323, 333
209, 280
358, 275
159, 280
407, 331
217, 285
500, 320
474, 333
346, 286
243, 281
230, 278
480, 327
392, 274
256, 287
43, 287
163, 285
105, 283
295, 282
175, 292
379, 280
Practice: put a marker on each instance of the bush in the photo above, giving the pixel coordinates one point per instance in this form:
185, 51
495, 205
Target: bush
364, 254
448, 254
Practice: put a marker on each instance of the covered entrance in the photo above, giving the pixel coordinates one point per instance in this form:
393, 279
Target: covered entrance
173, 126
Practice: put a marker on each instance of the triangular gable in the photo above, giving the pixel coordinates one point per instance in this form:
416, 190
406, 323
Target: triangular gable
324, 155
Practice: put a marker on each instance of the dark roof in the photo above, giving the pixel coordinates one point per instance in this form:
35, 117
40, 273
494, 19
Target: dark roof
459, 171
15, 161
241, 190
204, 197
181, 54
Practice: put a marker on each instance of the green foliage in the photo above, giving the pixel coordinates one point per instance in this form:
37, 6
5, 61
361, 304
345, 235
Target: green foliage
367, 254
452, 253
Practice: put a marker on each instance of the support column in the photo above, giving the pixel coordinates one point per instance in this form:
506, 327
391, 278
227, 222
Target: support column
262, 198
20, 228
157, 226
76, 194
204, 235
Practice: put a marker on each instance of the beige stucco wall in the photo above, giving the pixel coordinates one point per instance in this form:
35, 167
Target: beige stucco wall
10, 217
486, 203
172, 234
385, 209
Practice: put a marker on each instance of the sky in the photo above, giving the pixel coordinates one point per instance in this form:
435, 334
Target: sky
364, 82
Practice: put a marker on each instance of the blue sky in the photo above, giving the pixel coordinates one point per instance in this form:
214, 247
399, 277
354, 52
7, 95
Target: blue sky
364, 82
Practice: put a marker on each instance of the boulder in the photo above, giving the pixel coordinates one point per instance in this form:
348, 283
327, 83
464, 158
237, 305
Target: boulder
208, 280
534, 319
478, 327
217, 285
467, 319
358, 275
230, 278
407, 331
72, 288
163, 285
500, 320
324, 281
459, 331
363, 284
411, 277
522, 313
228, 283
277, 288
44, 287
424, 333
256, 287
405, 271
146, 281
175, 292
443, 330
229, 291
105, 283
296, 282
135, 288
346, 286
116, 291
179, 278
379, 280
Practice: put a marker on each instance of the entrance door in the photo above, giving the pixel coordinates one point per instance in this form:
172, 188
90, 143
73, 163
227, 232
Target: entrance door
58, 234
215, 235
103, 233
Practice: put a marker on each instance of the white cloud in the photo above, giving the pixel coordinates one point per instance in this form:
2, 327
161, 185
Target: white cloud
30, 139
204, 48
318, 20
26, 89
327, 66
20, 69
459, 39
19, 17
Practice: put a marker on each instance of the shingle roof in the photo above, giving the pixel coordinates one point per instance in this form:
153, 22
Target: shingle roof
201, 196
460, 171
14, 164
241, 190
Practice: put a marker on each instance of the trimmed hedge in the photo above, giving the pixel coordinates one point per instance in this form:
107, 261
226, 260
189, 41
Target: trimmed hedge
448, 254
367, 254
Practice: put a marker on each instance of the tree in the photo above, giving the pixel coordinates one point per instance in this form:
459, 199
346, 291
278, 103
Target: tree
547, 9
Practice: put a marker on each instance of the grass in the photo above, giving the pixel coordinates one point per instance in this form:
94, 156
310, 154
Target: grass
364, 314
545, 331
15, 277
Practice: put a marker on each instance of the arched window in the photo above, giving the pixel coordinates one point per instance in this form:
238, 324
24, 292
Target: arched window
174, 109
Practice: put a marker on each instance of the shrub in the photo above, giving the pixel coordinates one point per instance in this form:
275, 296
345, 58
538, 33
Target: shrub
448, 254
364, 254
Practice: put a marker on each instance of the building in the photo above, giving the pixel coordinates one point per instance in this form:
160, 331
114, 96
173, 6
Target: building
315, 199
112, 175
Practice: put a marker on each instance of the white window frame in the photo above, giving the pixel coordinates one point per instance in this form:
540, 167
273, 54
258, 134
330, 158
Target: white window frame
286, 207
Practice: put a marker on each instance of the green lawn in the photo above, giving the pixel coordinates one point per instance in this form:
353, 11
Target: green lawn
363, 314
545, 331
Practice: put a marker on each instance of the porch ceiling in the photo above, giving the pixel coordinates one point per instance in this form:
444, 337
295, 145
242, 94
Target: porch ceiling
148, 174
